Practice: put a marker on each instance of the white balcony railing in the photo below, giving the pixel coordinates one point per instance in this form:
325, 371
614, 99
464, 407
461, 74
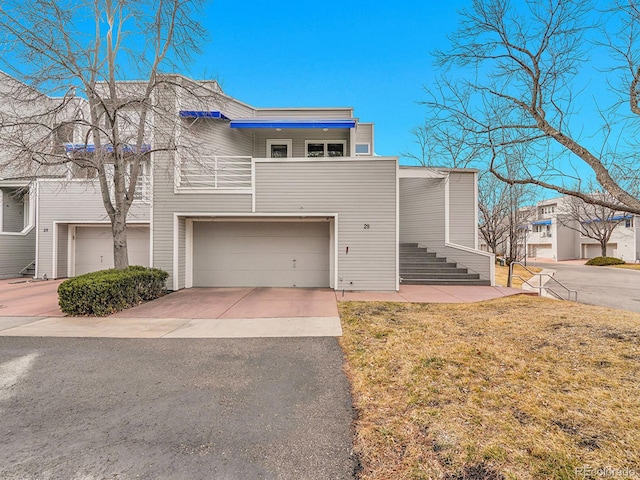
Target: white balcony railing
143, 190
215, 173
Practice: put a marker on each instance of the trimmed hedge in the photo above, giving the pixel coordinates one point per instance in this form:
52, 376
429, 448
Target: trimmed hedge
604, 261
108, 291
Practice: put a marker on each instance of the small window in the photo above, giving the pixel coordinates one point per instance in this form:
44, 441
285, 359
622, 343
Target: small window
315, 150
335, 150
363, 149
278, 148
331, 148
628, 223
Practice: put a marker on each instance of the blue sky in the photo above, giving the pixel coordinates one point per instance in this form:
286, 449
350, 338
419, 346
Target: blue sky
371, 55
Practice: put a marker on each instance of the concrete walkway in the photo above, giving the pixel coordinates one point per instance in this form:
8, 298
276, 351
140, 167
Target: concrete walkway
432, 294
214, 312
122, 327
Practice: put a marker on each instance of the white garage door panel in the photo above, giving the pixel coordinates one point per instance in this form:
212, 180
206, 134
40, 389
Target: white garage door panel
94, 248
246, 254
543, 251
594, 250
265, 261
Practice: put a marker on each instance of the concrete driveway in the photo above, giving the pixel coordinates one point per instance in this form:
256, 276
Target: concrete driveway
30, 309
25, 298
21, 298
217, 303
603, 286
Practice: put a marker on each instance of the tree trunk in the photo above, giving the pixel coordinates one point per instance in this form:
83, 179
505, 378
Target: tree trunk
603, 247
119, 230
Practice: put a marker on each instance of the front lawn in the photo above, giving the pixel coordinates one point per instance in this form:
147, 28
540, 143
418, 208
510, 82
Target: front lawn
628, 266
520, 387
502, 274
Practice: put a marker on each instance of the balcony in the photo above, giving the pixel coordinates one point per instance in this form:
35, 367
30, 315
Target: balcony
215, 174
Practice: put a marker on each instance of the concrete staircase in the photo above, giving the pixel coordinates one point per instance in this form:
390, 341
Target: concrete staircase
29, 271
419, 267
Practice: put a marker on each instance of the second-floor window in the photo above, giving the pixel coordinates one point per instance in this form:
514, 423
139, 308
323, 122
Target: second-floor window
329, 148
278, 148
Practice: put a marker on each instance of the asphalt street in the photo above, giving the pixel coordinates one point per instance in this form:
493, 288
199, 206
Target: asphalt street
604, 286
92, 408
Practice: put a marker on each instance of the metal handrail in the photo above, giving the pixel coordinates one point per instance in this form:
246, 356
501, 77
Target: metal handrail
26, 269
540, 287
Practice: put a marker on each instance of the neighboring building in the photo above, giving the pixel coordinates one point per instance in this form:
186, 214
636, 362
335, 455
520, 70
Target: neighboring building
555, 235
273, 197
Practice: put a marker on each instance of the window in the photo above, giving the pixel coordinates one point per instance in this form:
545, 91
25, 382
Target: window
545, 210
330, 148
628, 222
14, 209
278, 148
363, 149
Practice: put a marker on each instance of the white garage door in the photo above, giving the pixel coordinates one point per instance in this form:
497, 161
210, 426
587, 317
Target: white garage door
595, 250
261, 254
544, 250
94, 248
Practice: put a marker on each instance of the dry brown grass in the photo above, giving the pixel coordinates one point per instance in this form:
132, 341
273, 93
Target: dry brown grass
502, 273
520, 387
628, 266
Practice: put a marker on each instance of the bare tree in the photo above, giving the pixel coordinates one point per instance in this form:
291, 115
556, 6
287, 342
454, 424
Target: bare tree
90, 122
512, 79
493, 206
591, 220
504, 215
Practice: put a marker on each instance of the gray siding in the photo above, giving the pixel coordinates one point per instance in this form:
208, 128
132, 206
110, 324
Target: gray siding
476, 262
166, 203
422, 219
361, 192
71, 202
422, 211
567, 242
63, 250
462, 209
213, 137
12, 210
364, 134
16, 252
323, 113
298, 137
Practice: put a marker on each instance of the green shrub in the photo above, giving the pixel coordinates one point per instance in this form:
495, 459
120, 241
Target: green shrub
603, 261
108, 291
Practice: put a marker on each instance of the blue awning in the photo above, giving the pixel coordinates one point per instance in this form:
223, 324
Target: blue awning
256, 122
616, 218
542, 222
81, 147
621, 217
202, 114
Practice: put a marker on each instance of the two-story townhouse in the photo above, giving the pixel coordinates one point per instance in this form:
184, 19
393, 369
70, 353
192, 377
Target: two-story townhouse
624, 242
557, 235
18, 174
281, 197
